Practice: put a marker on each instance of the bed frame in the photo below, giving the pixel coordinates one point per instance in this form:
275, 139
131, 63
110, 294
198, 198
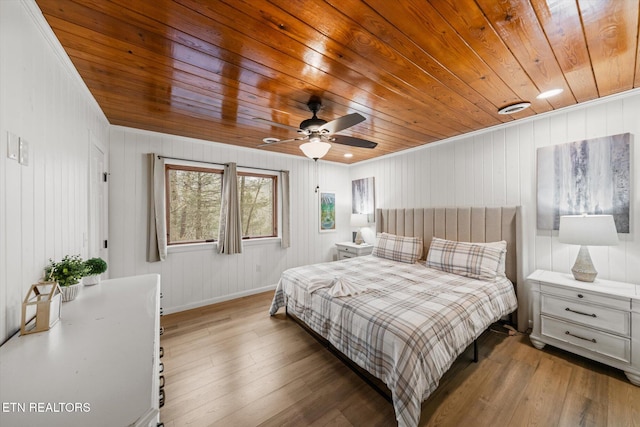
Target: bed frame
466, 224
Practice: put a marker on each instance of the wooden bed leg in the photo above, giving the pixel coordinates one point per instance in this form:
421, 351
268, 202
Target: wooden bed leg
475, 351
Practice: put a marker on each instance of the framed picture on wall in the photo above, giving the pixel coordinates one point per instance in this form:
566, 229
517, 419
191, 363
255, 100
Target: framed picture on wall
327, 211
584, 177
363, 199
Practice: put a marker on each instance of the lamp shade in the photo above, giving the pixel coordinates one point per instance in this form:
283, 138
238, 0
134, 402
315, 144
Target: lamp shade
588, 230
315, 150
359, 220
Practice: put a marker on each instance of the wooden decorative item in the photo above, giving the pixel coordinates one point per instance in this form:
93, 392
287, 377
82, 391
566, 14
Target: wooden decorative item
41, 307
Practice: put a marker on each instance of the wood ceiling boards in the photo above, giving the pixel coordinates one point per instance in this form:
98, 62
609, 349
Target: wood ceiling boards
419, 71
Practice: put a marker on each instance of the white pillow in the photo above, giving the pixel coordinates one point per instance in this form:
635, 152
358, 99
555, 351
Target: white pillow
474, 260
398, 248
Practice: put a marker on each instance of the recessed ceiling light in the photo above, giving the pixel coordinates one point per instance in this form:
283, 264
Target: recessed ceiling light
270, 140
348, 155
549, 93
514, 108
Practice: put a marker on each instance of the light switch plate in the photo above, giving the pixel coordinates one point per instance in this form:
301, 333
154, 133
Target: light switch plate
24, 152
12, 146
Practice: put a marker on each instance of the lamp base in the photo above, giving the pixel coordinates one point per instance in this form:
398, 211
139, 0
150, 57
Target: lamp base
358, 240
583, 269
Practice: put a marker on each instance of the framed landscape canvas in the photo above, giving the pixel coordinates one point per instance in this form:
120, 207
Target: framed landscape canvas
590, 176
327, 211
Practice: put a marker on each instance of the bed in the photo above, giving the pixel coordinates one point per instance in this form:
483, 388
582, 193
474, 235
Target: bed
404, 314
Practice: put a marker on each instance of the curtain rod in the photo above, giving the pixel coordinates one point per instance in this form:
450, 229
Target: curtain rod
219, 164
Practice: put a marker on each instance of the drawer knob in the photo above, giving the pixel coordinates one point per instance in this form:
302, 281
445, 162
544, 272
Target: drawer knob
580, 296
580, 312
593, 340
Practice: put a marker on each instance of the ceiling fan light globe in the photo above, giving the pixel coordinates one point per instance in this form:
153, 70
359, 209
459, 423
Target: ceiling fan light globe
315, 150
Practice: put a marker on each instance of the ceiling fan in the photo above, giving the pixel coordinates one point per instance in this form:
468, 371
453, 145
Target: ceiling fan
320, 133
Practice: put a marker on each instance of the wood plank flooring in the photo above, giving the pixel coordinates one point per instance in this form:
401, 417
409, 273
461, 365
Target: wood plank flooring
231, 364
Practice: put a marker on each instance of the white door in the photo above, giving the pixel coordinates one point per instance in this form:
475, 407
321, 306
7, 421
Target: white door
98, 224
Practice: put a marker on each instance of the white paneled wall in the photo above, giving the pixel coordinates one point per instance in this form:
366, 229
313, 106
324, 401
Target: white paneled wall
197, 275
498, 167
43, 207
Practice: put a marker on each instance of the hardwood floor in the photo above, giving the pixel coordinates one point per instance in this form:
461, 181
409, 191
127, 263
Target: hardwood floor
231, 364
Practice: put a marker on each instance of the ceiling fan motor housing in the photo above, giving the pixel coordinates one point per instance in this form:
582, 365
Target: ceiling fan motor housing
314, 123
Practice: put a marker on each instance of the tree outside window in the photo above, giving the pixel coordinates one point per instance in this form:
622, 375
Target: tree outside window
194, 199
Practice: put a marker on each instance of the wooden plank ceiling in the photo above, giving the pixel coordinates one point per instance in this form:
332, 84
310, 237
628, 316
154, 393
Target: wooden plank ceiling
418, 71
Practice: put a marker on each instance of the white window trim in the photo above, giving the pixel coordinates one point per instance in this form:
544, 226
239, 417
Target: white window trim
213, 246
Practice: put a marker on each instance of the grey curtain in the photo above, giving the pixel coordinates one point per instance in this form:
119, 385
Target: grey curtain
230, 234
157, 225
286, 208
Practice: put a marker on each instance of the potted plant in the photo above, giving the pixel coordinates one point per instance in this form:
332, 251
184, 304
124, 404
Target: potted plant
95, 267
67, 273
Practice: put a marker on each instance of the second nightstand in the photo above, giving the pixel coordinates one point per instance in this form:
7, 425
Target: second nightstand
599, 320
351, 250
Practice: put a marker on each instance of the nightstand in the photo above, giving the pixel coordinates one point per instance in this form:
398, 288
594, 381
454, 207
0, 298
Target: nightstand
351, 250
599, 320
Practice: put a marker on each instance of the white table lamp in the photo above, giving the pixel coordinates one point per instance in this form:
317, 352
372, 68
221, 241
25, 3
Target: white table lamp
587, 230
359, 220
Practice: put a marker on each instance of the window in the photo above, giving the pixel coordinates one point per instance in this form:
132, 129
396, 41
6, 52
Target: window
194, 197
258, 205
193, 203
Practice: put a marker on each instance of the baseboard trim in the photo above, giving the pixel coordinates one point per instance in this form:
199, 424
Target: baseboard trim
198, 304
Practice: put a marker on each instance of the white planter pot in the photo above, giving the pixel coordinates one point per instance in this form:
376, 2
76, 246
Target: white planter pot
69, 293
91, 280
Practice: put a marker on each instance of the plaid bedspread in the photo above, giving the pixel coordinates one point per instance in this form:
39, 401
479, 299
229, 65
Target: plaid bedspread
407, 329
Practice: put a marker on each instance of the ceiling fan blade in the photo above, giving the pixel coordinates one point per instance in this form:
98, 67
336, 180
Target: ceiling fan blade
353, 142
301, 138
342, 123
276, 124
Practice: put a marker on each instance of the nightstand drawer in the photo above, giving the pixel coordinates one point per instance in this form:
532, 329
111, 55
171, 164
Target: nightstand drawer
579, 295
588, 314
595, 341
351, 250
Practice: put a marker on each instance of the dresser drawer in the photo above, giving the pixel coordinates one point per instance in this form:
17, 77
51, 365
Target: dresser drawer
595, 341
588, 314
579, 295
346, 254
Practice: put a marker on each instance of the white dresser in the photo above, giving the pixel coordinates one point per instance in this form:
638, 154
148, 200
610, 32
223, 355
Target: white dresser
98, 366
599, 320
352, 250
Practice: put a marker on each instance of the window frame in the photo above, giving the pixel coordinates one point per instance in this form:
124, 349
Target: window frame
274, 205
182, 167
186, 166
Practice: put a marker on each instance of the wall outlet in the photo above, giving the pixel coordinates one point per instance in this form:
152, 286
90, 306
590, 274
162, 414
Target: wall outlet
13, 144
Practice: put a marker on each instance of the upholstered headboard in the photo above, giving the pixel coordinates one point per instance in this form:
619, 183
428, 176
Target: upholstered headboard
461, 224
